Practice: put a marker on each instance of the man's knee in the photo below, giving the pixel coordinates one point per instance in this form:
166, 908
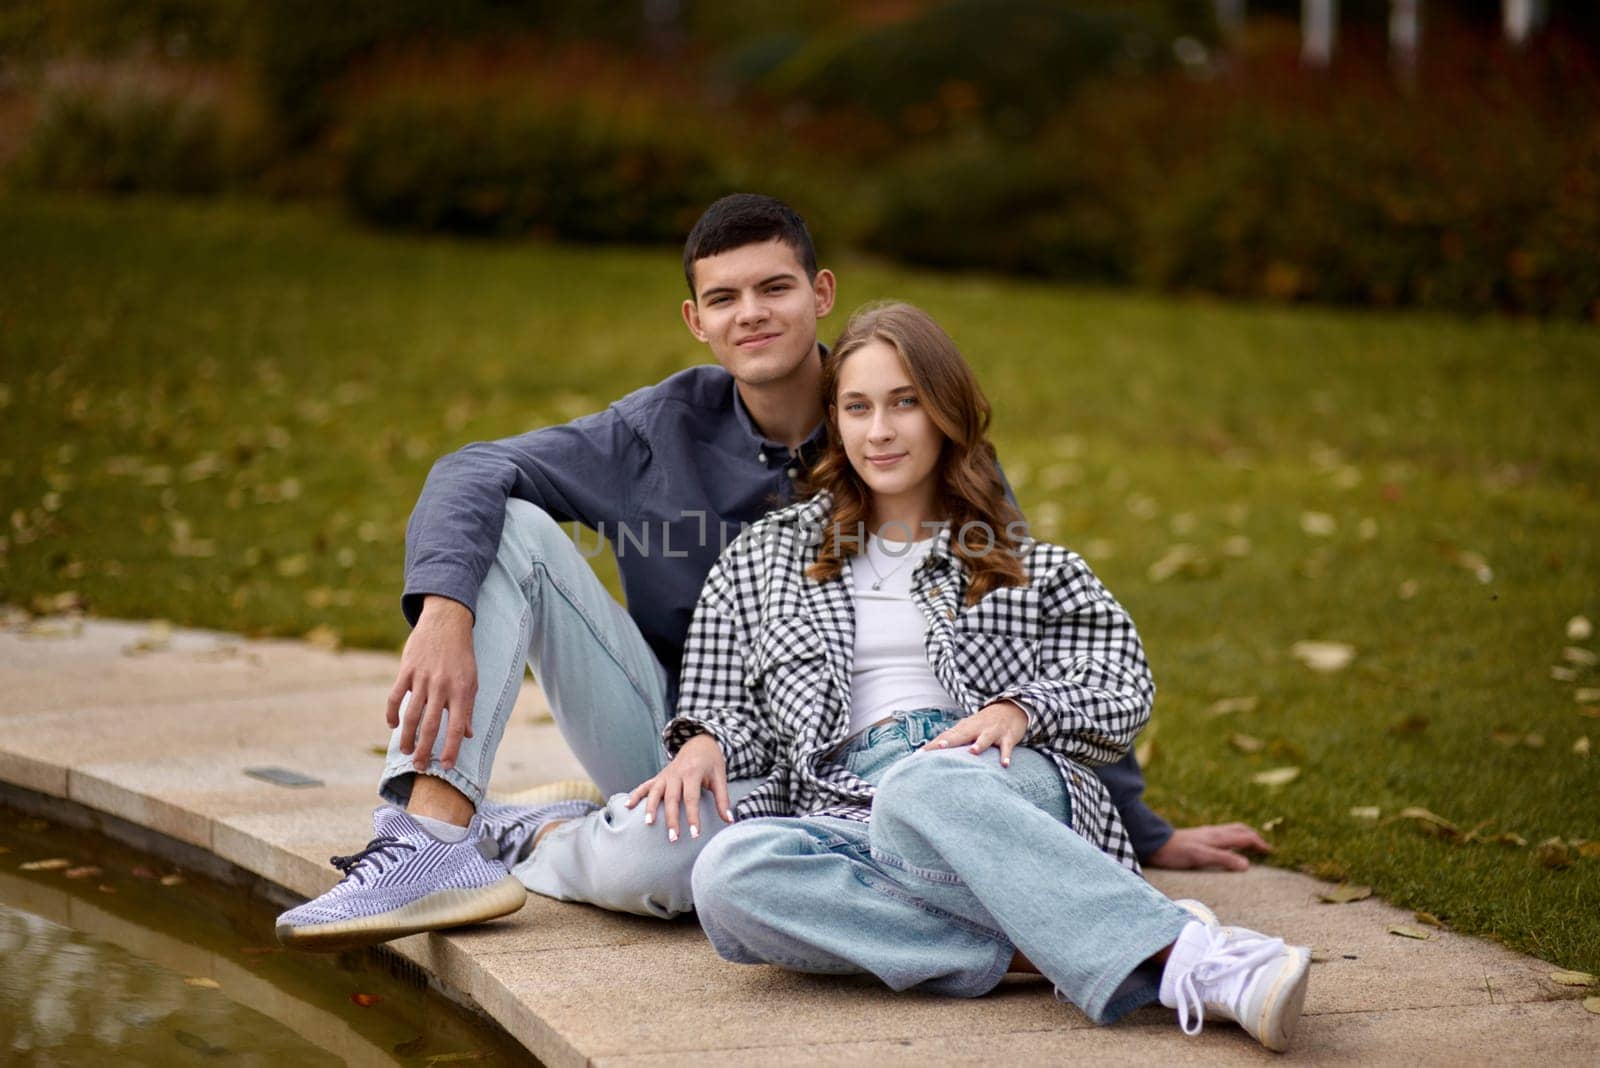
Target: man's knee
531, 530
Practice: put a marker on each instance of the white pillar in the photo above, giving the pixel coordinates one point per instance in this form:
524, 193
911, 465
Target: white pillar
1521, 17
1405, 34
1318, 28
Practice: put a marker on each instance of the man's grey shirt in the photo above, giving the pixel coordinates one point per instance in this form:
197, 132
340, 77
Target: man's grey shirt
669, 475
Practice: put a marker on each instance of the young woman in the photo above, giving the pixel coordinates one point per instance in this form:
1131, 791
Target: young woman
925, 687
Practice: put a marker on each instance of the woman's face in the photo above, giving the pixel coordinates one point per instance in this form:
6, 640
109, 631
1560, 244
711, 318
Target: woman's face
888, 435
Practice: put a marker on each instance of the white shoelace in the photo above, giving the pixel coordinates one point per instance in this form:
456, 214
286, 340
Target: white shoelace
1224, 969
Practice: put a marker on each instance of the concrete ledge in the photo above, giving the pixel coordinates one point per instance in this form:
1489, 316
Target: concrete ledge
161, 738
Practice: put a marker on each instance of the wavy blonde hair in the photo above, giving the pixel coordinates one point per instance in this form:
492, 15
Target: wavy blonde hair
971, 497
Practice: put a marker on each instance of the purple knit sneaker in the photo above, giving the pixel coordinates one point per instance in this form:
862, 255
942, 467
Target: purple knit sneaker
514, 827
405, 881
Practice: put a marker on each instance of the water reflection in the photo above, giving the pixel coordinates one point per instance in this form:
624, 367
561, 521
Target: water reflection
112, 959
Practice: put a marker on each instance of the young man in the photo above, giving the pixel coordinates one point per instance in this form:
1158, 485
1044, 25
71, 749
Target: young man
669, 474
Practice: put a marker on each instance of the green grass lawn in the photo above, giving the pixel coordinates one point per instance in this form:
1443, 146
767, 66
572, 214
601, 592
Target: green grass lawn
220, 415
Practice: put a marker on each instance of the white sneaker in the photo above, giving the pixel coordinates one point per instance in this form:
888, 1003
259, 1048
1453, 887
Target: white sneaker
1199, 911
1233, 973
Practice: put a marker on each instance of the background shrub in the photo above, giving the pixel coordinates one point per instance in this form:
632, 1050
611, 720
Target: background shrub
501, 166
89, 140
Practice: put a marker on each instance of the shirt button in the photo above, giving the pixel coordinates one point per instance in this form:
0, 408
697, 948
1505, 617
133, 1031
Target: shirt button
762, 456
793, 472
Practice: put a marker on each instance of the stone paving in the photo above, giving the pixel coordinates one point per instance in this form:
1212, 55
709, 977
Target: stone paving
156, 727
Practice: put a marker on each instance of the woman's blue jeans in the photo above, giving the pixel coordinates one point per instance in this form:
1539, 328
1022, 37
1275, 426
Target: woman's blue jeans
964, 863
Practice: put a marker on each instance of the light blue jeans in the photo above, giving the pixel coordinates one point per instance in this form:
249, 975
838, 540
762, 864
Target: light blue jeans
963, 864
541, 604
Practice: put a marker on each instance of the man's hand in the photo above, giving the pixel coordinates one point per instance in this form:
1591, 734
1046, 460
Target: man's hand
440, 672
1001, 724
1213, 846
698, 764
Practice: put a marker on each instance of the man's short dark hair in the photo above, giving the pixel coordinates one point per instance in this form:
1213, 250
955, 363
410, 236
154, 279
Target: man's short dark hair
742, 219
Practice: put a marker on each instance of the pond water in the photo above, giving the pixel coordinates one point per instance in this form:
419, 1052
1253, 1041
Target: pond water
111, 957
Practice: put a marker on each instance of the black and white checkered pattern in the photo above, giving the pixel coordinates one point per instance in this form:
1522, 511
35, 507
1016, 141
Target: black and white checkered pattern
767, 666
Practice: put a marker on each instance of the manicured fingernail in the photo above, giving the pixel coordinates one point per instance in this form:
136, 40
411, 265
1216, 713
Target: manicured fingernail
672, 835
1005, 762
727, 814
940, 744
649, 818
694, 832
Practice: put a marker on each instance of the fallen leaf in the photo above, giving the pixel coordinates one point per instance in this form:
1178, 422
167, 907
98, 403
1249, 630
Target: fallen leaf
1408, 589
1581, 746
1579, 629
1345, 893
366, 1001
1554, 854
1365, 812
1428, 919
1237, 546
1184, 560
1367, 529
1467, 560
1563, 674
1572, 978
1587, 695
1412, 724
142, 872
198, 1044
1229, 705
172, 880
1589, 851
52, 864
1509, 838
378, 750
1245, 743
323, 637
1321, 656
1533, 740
1592, 1005
1275, 777
1505, 738
83, 871
290, 566
1431, 822
202, 982
1405, 930
1572, 654
1271, 825
1318, 524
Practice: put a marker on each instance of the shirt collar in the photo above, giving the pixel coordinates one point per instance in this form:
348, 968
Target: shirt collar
769, 451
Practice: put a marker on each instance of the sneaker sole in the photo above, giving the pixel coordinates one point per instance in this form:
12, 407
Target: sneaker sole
564, 790
440, 909
1284, 1002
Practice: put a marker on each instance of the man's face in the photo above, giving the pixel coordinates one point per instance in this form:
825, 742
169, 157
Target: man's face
757, 310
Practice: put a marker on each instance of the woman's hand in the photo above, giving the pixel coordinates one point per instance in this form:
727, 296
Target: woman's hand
699, 764
1001, 724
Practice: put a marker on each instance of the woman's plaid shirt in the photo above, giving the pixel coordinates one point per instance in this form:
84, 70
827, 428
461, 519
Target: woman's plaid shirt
767, 668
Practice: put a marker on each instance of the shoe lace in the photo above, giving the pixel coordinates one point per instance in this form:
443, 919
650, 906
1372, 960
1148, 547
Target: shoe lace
377, 849
1222, 971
